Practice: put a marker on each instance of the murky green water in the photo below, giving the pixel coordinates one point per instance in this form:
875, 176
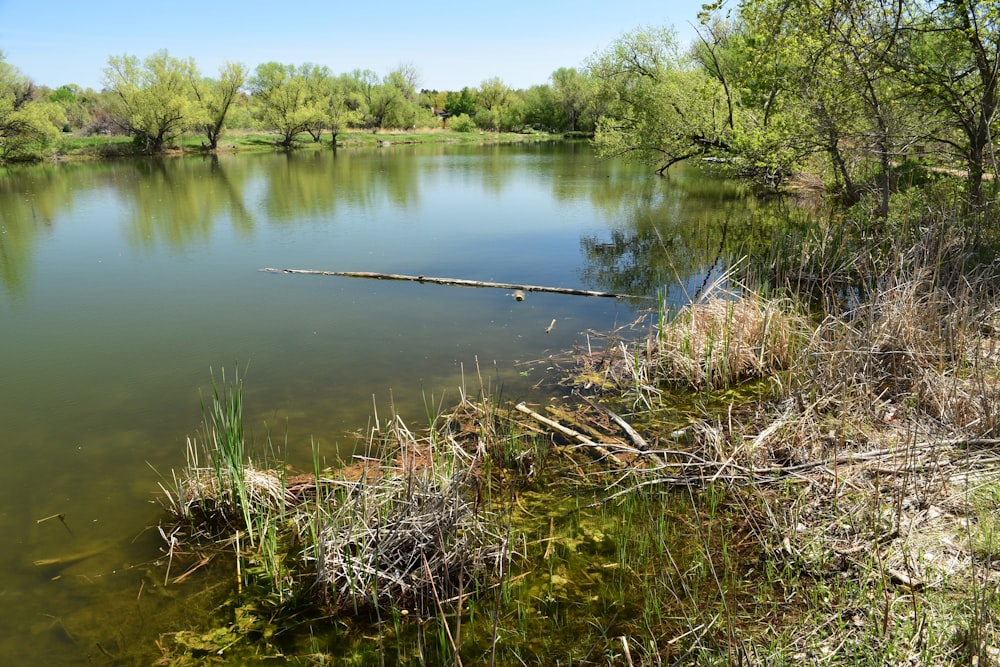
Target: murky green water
122, 284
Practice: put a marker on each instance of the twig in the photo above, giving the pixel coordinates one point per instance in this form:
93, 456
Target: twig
62, 519
633, 435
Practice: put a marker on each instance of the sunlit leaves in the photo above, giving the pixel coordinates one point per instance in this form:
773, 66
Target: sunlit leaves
27, 126
217, 96
153, 100
658, 106
284, 101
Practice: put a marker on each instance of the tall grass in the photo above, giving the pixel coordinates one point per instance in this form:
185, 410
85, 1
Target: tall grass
720, 341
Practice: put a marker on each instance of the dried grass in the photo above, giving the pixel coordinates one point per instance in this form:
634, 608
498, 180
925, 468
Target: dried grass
395, 528
917, 359
726, 338
862, 471
407, 531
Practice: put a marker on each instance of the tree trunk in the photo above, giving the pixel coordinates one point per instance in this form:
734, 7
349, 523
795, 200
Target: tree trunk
840, 166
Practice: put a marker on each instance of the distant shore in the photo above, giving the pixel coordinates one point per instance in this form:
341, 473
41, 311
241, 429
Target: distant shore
75, 147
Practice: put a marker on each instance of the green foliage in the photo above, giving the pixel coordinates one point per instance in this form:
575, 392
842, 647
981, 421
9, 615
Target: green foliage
574, 100
463, 102
27, 126
659, 107
28, 130
217, 97
153, 100
461, 123
497, 106
540, 108
285, 100
948, 58
340, 112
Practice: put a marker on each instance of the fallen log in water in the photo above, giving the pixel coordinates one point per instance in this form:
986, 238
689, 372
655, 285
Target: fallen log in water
460, 282
570, 433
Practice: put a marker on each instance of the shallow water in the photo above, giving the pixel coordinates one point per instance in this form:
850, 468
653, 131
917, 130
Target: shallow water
125, 285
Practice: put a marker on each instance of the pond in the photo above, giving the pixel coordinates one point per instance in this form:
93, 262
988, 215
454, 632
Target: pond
126, 286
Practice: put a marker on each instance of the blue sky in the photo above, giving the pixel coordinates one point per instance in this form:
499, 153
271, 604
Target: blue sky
451, 44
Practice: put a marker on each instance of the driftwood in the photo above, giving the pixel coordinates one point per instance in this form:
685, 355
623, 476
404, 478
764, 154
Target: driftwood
570, 433
639, 442
460, 282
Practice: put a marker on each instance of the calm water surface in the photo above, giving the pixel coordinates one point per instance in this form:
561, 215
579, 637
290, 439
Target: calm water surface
124, 285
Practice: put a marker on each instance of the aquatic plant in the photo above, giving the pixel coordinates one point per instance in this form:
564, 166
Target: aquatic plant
393, 530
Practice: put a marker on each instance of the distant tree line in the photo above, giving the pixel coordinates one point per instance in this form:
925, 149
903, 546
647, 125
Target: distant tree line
160, 98
853, 88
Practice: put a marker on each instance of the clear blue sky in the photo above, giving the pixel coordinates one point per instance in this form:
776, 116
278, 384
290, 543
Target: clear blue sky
452, 44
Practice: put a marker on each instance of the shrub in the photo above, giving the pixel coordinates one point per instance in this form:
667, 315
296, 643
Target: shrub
461, 123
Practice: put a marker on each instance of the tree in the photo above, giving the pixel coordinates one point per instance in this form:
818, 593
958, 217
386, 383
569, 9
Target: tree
78, 104
398, 97
153, 101
950, 56
340, 113
406, 78
832, 63
497, 106
283, 101
541, 108
371, 99
27, 125
573, 93
216, 96
660, 107
462, 102
317, 81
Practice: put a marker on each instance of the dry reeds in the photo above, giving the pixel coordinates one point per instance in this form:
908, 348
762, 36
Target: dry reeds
724, 339
917, 357
401, 528
719, 341
404, 536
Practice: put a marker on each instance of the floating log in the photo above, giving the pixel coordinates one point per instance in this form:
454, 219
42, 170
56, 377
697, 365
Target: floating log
460, 282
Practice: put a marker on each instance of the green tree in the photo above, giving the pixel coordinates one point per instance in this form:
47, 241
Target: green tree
341, 114
27, 125
950, 57
381, 102
283, 101
398, 94
573, 95
153, 101
659, 106
216, 97
830, 63
461, 102
498, 107
541, 108
318, 80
